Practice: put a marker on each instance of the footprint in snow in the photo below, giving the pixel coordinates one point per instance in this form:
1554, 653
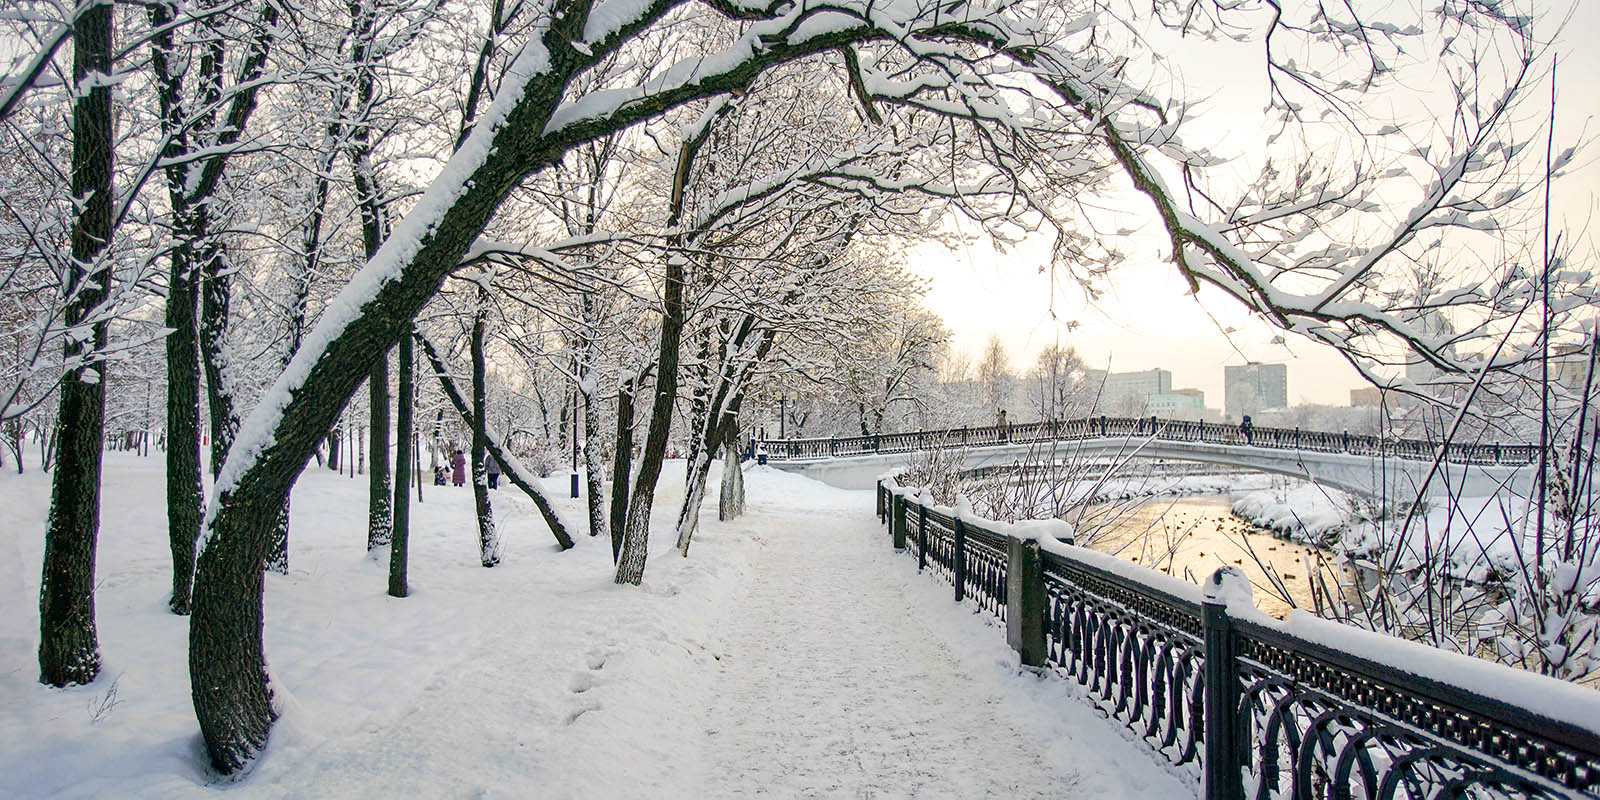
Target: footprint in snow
581, 682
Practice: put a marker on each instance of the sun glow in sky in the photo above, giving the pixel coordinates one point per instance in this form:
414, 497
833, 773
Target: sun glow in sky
1145, 319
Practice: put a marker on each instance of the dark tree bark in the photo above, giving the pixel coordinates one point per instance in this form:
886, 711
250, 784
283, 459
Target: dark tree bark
215, 296
380, 515
335, 436
185, 493
622, 464
636, 530
402, 470
488, 539
374, 229
69, 649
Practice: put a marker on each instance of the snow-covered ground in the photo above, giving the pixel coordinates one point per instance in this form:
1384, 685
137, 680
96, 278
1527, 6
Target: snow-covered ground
1305, 511
1476, 536
792, 654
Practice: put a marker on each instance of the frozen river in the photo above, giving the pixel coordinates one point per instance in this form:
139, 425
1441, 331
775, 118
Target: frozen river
1191, 536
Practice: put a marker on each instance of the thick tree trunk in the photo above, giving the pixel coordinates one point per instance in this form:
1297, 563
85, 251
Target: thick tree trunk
402, 471
488, 539
185, 491
69, 649
335, 436
621, 466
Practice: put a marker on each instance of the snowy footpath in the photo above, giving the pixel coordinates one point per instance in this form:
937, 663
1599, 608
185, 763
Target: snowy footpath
791, 655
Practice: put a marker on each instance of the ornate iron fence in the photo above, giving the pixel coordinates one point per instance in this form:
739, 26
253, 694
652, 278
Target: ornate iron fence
1279, 710
1161, 429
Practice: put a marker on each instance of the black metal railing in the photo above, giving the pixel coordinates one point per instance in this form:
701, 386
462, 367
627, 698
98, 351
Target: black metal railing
1278, 713
1167, 430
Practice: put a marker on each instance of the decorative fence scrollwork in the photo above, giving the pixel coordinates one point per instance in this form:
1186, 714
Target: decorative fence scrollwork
1281, 711
1170, 430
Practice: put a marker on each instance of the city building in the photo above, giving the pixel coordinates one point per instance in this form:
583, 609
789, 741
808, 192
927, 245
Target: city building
1569, 366
1124, 393
1185, 404
1253, 388
1366, 396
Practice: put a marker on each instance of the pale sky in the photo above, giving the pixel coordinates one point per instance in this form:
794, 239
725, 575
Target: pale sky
1147, 320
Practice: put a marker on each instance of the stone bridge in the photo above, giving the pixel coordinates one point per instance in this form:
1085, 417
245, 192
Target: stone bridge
1366, 465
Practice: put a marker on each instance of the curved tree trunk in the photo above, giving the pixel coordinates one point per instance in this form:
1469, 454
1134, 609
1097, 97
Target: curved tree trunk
69, 648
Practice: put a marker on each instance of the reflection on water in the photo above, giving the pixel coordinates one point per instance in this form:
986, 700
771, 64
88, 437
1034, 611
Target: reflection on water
1190, 537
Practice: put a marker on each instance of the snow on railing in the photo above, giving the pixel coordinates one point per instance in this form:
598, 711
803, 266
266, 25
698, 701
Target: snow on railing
1296, 708
1169, 430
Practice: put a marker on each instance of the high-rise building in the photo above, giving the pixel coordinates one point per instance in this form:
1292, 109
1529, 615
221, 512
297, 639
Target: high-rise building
1252, 388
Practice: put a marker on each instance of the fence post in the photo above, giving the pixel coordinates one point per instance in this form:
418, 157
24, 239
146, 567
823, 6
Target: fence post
922, 537
878, 503
959, 560
1224, 761
897, 525
1025, 600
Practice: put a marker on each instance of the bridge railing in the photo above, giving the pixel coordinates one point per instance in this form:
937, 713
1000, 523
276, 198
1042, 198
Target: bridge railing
1255, 706
1170, 430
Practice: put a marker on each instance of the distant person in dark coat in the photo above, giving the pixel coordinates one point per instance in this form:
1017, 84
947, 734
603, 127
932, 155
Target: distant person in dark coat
492, 468
458, 468
1247, 429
